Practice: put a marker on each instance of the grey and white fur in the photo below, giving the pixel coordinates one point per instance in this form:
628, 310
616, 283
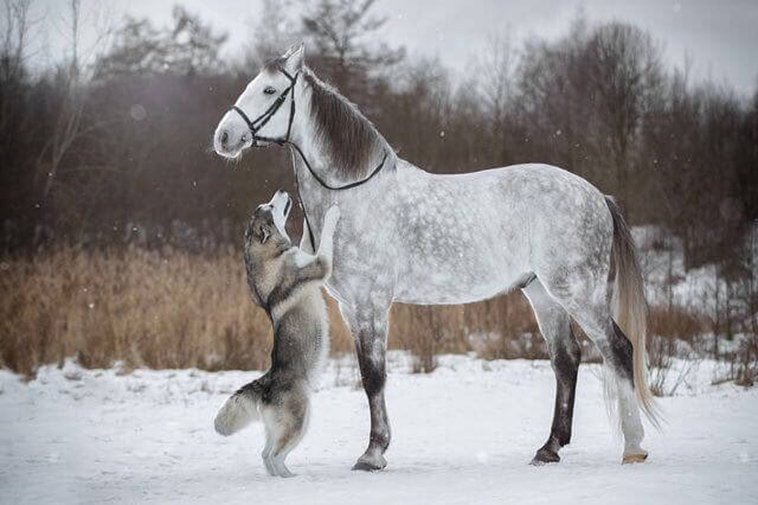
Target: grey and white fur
286, 282
411, 236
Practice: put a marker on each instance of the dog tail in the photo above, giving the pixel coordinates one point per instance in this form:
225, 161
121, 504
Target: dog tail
240, 409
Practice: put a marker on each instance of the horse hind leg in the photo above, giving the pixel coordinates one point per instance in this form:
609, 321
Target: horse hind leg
565, 356
594, 316
631, 424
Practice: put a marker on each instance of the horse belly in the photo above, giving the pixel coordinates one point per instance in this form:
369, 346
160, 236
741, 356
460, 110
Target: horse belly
460, 275
461, 241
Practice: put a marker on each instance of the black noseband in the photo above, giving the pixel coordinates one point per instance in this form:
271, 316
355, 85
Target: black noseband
259, 122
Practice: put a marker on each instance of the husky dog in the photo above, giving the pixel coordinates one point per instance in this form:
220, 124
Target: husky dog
286, 282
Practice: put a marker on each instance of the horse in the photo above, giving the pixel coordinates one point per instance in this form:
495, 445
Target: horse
414, 237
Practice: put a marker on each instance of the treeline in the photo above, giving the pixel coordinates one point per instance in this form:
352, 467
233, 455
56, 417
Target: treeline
117, 151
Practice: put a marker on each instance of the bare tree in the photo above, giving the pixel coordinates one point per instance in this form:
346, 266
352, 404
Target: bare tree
187, 47
344, 34
496, 70
68, 120
554, 109
624, 74
15, 32
274, 31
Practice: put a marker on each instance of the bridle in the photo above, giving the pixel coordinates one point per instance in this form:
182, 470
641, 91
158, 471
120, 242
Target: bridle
255, 126
264, 118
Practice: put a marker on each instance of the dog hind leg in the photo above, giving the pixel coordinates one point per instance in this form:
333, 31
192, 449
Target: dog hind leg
286, 428
266, 454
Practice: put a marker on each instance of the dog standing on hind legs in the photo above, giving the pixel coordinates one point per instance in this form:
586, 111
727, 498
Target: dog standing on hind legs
286, 282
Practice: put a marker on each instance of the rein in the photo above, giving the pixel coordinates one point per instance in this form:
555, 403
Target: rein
255, 126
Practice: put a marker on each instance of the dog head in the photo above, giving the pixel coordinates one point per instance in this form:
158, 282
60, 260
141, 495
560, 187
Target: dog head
266, 232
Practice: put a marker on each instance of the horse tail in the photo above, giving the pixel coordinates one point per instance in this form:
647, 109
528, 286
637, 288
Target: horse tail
629, 306
240, 409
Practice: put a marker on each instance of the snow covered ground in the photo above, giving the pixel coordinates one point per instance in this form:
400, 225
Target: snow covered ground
702, 289
463, 434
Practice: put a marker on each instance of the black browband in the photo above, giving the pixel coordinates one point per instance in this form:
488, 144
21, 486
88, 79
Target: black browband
259, 122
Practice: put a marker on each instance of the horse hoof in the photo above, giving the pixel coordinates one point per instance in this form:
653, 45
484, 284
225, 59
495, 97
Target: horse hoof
545, 456
635, 457
370, 463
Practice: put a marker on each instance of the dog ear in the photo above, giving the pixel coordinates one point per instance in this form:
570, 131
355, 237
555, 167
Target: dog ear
263, 232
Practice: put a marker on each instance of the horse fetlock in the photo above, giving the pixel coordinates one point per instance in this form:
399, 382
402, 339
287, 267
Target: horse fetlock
371, 461
564, 437
373, 376
379, 441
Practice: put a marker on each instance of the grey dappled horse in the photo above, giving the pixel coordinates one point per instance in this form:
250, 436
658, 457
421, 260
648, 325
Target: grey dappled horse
410, 236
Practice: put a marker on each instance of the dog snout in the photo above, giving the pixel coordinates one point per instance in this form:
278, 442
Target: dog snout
283, 201
282, 195
288, 205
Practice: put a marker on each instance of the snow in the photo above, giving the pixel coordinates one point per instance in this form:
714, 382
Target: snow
700, 289
463, 434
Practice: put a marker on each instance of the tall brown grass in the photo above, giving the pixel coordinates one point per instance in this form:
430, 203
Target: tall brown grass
142, 308
170, 309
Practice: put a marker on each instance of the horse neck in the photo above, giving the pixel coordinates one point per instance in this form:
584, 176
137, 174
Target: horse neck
306, 135
308, 149
312, 194
314, 198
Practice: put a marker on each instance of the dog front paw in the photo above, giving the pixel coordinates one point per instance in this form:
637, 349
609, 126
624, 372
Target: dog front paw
332, 216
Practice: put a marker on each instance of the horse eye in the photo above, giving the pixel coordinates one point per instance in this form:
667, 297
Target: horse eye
269, 90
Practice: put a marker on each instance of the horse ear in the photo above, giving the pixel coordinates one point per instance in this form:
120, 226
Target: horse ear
295, 57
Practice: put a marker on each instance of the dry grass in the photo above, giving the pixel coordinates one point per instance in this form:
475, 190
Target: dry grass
170, 309
676, 322
141, 308
741, 364
158, 310
669, 328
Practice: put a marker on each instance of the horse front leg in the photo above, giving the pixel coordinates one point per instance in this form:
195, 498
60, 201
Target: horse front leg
369, 329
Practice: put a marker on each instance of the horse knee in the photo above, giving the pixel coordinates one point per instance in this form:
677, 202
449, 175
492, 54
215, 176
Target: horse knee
565, 354
370, 343
573, 350
566, 362
373, 374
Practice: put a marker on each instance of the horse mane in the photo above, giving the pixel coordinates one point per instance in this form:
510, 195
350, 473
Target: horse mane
351, 142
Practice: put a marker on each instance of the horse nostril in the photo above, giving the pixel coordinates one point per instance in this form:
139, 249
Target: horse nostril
224, 138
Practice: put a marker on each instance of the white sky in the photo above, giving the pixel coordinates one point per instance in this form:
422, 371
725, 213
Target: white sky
720, 36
